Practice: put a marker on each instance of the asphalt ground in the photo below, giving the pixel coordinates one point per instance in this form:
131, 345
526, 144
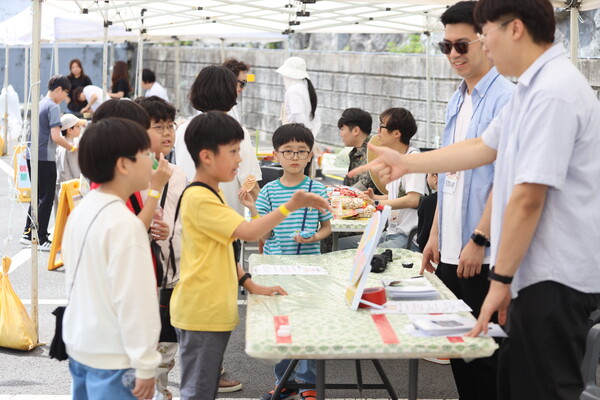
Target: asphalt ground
28, 375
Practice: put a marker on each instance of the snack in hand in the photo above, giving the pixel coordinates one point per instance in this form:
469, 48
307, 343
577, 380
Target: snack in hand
249, 183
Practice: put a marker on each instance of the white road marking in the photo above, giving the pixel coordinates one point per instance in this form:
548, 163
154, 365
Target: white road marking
7, 169
19, 259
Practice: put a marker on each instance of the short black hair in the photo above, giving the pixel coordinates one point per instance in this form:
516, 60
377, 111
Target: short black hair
122, 109
352, 117
105, 142
59, 81
157, 108
76, 93
148, 76
461, 13
401, 119
236, 66
292, 133
215, 88
210, 130
537, 16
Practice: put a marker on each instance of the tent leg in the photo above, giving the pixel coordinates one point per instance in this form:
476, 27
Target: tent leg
35, 126
177, 76
574, 20
5, 129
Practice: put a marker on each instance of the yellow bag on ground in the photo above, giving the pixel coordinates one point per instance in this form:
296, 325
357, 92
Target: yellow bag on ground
17, 330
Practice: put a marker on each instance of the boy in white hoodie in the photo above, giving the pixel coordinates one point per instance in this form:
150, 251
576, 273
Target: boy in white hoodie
111, 324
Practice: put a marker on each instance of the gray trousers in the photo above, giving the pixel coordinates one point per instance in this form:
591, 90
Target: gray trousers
201, 355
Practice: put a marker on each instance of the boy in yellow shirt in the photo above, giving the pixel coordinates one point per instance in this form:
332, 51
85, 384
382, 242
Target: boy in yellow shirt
204, 303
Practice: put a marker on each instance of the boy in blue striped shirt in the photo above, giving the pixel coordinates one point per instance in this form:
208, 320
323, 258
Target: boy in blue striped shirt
301, 232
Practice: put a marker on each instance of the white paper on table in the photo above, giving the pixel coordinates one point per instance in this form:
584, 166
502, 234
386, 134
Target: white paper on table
423, 307
275, 269
494, 330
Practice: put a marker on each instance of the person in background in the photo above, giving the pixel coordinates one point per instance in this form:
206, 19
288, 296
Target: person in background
67, 165
49, 138
152, 87
249, 165
78, 78
90, 95
426, 211
355, 127
300, 101
120, 81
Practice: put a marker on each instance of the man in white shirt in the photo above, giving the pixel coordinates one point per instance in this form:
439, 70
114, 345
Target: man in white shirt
91, 94
152, 87
545, 218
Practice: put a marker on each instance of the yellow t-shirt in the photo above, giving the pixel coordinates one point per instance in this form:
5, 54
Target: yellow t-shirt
205, 299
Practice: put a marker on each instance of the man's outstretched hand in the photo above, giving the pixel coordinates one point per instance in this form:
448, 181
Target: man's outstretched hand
389, 165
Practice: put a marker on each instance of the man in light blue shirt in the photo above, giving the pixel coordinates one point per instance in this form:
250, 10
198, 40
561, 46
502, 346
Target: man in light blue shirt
545, 215
457, 244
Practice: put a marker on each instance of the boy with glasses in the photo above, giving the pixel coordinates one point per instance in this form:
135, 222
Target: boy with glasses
461, 227
49, 138
301, 232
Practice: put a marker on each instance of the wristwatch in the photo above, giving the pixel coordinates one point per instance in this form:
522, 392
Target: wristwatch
480, 239
492, 276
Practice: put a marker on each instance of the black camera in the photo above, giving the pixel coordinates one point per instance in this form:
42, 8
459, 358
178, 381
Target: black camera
379, 262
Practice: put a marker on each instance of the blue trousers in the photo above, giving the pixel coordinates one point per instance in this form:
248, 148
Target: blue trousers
97, 384
305, 372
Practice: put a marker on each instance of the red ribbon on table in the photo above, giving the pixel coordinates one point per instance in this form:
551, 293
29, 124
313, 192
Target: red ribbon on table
278, 321
385, 329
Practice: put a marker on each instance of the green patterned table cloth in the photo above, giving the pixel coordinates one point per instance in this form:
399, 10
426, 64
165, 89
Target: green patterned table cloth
322, 325
348, 225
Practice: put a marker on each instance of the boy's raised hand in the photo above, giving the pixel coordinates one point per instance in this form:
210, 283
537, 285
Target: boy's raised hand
161, 175
389, 165
302, 199
246, 198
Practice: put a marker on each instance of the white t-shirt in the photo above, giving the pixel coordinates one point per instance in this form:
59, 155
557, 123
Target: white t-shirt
157, 90
112, 321
404, 220
296, 106
453, 193
91, 90
248, 166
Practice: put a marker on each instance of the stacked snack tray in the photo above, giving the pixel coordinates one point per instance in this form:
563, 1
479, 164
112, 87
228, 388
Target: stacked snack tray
347, 203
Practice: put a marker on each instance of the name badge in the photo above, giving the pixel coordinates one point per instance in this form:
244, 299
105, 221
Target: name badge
451, 182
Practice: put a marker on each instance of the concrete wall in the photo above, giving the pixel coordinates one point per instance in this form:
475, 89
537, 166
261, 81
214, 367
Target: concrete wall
372, 81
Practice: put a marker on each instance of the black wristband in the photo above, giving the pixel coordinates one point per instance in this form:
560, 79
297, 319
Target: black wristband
492, 276
480, 240
243, 278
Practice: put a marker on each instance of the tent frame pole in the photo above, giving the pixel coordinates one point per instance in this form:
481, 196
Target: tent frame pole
574, 33
35, 127
5, 130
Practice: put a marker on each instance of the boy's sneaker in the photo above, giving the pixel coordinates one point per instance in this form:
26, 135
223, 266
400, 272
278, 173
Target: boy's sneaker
308, 395
227, 386
26, 238
45, 246
284, 394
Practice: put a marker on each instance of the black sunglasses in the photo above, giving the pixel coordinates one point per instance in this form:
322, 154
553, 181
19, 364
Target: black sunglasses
461, 46
242, 83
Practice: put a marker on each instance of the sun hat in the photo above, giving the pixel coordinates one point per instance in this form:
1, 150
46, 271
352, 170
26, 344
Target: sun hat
371, 155
294, 67
69, 120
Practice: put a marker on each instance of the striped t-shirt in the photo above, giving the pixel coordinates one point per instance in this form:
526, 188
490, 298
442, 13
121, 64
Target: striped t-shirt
274, 194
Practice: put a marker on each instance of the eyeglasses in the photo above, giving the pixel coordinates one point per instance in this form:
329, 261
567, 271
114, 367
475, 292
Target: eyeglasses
381, 126
483, 36
242, 83
461, 46
172, 127
289, 154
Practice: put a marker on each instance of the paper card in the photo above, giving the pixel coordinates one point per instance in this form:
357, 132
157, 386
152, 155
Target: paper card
274, 269
423, 307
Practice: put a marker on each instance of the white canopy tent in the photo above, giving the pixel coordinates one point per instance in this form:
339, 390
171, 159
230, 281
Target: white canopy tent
185, 19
